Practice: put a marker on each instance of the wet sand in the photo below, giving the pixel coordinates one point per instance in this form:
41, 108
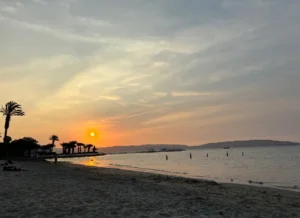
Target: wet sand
66, 190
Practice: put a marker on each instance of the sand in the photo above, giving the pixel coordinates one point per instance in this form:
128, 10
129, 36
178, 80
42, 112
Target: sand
66, 190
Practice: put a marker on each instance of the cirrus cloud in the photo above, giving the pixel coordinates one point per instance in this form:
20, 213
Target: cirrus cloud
139, 70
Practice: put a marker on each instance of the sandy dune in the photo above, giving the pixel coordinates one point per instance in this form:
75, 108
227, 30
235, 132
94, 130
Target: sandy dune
65, 190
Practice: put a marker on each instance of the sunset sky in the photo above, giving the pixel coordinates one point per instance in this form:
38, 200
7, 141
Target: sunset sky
140, 71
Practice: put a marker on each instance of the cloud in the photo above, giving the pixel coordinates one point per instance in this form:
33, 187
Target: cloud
111, 98
9, 10
61, 34
182, 94
40, 2
139, 67
170, 118
94, 22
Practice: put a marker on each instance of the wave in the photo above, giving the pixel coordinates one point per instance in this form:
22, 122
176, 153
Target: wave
295, 187
250, 182
148, 169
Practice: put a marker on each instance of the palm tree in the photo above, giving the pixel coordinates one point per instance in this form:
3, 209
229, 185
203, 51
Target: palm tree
53, 138
64, 146
89, 146
79, 145
10, 109
72, 146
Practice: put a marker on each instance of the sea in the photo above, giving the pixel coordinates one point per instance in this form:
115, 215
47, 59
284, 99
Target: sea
277, 167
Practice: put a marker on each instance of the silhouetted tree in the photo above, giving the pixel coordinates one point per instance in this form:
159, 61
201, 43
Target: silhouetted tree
47, 147
10, 109
71, 146
79, 146
8, 139
65, 147
31, 144
89, 146
53, 138
25, 144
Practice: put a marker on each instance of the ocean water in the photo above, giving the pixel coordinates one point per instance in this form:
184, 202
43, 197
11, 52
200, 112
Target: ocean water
273, 166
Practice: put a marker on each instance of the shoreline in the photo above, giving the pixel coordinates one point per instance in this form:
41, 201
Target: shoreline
181, 176
52, 156
71, 190
177, 174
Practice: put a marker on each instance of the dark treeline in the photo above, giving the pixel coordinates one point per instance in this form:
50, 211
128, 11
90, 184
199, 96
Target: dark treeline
28, 146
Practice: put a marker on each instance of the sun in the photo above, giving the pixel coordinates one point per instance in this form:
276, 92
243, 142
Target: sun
92, 134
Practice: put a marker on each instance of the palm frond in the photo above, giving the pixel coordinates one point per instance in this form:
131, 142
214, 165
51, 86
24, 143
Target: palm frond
73, 142
64, 144
3, 111
18, 113
54, 137
12, 108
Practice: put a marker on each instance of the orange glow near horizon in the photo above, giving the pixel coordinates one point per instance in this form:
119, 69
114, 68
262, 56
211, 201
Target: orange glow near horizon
92, 135
82, 132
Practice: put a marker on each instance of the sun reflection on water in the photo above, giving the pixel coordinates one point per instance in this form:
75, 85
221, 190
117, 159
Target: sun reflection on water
94, 162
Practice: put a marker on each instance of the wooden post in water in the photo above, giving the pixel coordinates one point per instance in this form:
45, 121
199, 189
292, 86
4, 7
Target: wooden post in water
167, 157
206, 154
242, 153
191, 155
227, 153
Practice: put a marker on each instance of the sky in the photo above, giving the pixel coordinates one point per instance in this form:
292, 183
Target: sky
140, 71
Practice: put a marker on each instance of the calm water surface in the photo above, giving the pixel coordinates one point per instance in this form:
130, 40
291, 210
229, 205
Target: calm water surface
274, 166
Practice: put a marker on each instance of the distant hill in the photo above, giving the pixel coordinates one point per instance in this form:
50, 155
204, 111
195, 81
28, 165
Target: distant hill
158, 147
140, 148
247, 143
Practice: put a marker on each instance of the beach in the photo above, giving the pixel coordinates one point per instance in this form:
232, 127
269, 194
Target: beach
68, 190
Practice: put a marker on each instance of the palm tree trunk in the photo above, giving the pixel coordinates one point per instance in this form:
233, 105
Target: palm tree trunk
51, 149
5, 134
6, 126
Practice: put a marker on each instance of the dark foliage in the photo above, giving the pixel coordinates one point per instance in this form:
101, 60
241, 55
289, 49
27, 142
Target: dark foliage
19, 147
